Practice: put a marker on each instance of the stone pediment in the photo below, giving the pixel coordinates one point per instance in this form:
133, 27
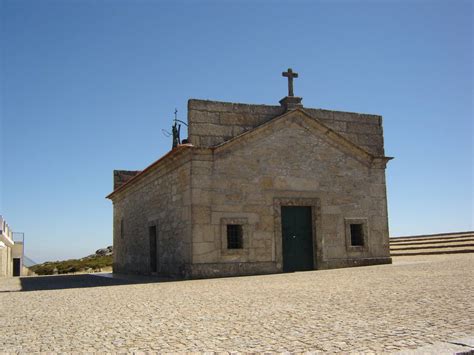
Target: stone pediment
313, 125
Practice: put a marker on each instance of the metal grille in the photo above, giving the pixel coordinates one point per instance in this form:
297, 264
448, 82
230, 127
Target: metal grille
357, 234
234, 236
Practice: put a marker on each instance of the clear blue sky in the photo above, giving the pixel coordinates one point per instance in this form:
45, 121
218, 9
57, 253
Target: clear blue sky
87, 86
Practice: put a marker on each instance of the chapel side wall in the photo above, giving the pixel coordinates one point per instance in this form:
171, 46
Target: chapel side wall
290, 163
161, 199
211, 123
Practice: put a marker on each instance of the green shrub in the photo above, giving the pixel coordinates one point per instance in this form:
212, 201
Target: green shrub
73, 265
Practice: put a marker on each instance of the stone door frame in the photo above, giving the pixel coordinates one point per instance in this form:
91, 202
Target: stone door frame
315, 205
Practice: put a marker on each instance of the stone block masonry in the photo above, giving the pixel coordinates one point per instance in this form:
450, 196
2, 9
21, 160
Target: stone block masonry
121, 177
212, 123
247, 180
243, 165
160, 198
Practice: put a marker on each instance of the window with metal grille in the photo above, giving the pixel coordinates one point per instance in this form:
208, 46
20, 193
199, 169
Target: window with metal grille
235, 238
357, 234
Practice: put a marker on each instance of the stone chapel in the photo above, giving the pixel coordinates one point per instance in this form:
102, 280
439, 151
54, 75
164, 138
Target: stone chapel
257, 189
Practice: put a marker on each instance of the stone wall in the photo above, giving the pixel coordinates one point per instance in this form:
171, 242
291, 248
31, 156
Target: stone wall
159, 197
212, 123
121, 177
193, 192
287, 163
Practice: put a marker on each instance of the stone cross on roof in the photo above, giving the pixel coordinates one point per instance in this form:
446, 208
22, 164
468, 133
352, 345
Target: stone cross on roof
290, 75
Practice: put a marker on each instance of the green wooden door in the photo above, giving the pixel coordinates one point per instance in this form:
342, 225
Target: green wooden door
297, 238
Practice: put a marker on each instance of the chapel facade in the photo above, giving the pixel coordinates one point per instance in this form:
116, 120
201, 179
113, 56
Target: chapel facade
257, 189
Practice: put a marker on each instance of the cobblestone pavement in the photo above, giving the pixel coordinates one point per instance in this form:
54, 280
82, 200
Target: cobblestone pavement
413, 303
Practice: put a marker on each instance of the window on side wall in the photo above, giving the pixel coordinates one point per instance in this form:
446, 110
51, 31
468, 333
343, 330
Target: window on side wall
121, 229
357, 234
235, 238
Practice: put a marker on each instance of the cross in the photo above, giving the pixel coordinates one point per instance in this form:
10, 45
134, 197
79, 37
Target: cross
290, 75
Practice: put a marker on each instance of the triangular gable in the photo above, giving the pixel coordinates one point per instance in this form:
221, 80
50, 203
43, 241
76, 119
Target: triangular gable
300, 117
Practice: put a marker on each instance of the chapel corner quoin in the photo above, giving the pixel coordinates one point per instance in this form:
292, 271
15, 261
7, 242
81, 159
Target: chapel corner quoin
256, 189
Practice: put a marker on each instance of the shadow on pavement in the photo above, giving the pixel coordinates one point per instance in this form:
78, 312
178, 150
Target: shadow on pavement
61, 282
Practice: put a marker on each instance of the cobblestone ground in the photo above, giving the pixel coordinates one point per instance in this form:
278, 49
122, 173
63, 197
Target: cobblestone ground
415, 302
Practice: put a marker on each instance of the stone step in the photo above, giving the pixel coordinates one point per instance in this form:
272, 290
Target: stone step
447, 243
432, 252
432, 241
432, 236
432, 246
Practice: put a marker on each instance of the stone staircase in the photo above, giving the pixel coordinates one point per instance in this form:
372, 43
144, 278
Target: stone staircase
449, 243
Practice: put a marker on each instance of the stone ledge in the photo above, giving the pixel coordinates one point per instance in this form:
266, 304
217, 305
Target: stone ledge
221, 106
213, 270
236, 107
342, 263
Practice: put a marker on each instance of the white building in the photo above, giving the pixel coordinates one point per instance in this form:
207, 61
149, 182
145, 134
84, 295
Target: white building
11, 253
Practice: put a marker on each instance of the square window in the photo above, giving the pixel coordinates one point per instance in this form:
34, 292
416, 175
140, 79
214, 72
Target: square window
235, 238
357, 234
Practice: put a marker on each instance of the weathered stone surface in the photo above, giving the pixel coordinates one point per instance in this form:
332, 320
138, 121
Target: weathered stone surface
362, 129
285, 159
315, 158
121, 177
405, 308
161, 199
